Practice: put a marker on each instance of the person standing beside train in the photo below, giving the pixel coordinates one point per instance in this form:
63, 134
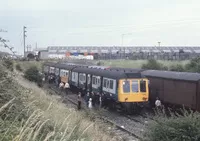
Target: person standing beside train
87, 96
79, 101
100, 100
90, 103
66, 87
93, 99
158, 104
97, 98
103, 100
59, 81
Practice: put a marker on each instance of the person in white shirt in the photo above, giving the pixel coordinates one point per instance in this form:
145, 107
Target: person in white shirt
90, 103
158, 103
66, 85
61, 85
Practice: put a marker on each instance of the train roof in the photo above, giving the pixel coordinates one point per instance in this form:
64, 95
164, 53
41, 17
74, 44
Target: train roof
49, 63
172, 75
99, 67
66, 66
107, 73
127, 69
73, 64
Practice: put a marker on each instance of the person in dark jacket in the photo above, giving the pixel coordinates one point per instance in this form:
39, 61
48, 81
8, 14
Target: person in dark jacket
103, 98
87, 97
100, 100
93, 99
79, 101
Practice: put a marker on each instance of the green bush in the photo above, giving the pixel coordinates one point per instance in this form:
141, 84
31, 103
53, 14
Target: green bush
177, 67
154, 65
32, 74
9, 64
193, 65
99, 63
184, 127
18, 67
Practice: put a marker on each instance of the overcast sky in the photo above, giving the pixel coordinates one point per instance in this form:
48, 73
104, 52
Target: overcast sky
101, 22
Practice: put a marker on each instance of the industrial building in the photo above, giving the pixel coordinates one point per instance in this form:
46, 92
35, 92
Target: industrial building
119, 52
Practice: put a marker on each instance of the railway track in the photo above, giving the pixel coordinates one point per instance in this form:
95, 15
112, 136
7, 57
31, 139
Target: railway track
125, 126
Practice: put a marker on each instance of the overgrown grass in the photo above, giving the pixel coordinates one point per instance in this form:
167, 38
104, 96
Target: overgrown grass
138, 63
28, 113
177, 127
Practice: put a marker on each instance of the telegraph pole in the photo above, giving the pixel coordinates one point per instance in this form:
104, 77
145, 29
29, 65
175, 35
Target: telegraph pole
24, 36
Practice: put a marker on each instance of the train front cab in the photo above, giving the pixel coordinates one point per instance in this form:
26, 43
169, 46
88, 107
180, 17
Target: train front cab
133, 93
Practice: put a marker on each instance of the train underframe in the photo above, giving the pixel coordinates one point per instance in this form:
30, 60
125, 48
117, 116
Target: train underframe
127, 107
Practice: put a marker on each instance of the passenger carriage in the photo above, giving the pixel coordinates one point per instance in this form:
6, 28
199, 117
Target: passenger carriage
120, 87
124, 88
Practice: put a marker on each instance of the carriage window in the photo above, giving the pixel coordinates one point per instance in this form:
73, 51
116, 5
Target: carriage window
83, 77
107, 84
93, 80
126, 86
135, 86
142, 86
111, 84
104, 83
57, 71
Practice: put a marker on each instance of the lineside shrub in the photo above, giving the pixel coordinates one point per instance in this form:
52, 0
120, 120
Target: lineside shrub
18, 67
179, 127
177, 67
32, 74
193, 65
154, 65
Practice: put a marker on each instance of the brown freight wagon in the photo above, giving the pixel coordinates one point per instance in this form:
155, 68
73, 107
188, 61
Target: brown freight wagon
174, 88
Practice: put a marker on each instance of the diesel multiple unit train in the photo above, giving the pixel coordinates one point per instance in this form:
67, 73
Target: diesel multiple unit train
124, 88
131, 87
